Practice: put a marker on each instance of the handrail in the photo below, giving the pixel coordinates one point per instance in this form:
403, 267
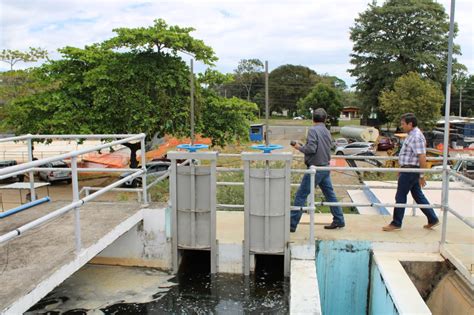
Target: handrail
34, 166
12, 234
36, 163
76, 203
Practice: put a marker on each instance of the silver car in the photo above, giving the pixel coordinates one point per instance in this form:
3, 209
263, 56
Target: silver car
356, 148
55, 176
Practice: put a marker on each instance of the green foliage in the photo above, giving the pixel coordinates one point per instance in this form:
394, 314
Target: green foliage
325, 97
162, 37
214, 81
395, 38
13, 56
413, 94
247, 73
287, 85
463, 92
226, 120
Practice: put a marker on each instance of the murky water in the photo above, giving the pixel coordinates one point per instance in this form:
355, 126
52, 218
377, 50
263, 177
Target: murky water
119, 290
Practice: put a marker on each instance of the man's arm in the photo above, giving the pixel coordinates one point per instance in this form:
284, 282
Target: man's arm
311, 143
422, 159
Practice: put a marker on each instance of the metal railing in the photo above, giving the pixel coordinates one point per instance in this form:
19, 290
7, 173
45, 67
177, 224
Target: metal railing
312, 171
32, 166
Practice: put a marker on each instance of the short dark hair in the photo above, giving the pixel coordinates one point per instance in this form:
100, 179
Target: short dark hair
410, 118
319, 115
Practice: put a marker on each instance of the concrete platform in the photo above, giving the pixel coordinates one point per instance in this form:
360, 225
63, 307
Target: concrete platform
413, 237
36, 262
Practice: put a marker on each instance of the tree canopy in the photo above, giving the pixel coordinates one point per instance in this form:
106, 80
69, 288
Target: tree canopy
13, 56
247, 73
324, 96
135, 82
413, 94
395, 38
288, 84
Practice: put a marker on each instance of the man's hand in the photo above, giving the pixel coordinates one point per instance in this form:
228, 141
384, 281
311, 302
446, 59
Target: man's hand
295, 144
422, 159
422, 182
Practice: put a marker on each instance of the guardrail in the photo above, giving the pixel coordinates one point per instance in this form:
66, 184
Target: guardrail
32, 166
312, 207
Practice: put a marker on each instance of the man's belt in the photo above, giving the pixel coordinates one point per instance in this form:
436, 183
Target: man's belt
409, 166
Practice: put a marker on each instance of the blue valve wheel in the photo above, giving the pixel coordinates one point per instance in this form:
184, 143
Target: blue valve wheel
192, 147
267, 149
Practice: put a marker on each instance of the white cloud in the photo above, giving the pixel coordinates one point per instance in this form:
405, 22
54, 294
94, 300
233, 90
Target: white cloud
306, 32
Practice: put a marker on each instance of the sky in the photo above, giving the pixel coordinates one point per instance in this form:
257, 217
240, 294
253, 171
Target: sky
312, 33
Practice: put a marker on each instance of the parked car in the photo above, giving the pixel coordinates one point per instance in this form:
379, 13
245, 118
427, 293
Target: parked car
55, 176
339, 142
157, 168
385, 144
9, 163
298, 118
356, 148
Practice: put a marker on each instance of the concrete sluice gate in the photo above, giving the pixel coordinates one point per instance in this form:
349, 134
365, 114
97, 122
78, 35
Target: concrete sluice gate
266, 208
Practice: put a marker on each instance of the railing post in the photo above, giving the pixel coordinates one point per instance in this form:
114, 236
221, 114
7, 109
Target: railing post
31, 174
311, 213
75, 197
143, 160
445, 191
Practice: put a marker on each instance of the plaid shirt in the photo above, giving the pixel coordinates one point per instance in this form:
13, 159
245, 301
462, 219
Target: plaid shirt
413, 145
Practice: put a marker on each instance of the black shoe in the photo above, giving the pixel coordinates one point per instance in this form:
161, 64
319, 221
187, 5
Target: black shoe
333, 226
292, 229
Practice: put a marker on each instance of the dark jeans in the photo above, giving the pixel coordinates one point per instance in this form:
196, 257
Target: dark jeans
323, 180
409, 182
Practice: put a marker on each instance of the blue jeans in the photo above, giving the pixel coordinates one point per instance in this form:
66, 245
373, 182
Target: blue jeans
409, 182
323, 180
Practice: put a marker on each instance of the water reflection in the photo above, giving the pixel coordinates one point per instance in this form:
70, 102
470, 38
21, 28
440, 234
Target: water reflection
194, 291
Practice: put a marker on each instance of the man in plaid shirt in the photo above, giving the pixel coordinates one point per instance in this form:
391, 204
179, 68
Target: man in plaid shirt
412, 155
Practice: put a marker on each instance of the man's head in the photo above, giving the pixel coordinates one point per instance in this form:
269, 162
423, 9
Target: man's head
319, 115
408, 121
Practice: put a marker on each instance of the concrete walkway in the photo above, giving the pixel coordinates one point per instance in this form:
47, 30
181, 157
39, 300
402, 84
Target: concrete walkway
412, 237
34, 263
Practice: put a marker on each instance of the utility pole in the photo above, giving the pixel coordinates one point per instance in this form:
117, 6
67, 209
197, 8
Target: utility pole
460, 101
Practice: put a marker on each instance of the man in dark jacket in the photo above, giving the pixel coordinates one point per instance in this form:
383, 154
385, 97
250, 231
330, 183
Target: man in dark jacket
317, 152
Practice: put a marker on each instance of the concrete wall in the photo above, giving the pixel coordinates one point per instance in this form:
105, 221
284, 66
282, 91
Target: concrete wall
343, 276
380, 300
145, 245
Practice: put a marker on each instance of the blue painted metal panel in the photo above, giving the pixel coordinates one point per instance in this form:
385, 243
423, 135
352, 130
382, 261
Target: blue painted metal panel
343, 276
256, 132
380, 299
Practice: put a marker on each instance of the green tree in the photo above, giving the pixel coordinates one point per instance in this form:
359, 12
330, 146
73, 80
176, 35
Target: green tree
395, 38
215, 81
462, 94
135, 82
13, 56
324, 96
247, 73
227, 119
413, 94
288, 84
